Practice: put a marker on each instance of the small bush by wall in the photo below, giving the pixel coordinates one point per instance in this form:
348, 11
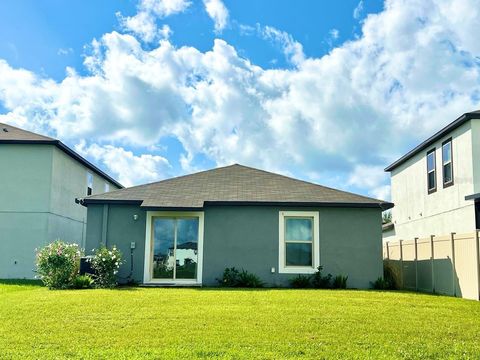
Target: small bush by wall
58, 264
319, 281
106, 263
232, 277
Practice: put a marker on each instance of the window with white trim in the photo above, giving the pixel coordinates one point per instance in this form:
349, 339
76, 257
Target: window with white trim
298, 242
106, 187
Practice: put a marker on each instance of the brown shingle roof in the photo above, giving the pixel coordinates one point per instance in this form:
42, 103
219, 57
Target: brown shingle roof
12, 135
234, 184
9, 132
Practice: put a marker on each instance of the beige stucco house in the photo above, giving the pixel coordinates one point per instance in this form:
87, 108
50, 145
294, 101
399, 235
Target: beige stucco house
40, 178
436, 186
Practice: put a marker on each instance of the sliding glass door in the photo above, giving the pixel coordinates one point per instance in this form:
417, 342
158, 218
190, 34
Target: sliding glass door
175, 248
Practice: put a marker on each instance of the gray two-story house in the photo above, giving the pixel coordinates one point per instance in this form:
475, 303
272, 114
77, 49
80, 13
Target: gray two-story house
40, 178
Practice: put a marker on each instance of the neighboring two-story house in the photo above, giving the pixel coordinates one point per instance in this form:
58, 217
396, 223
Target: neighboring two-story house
40, 179
436, 186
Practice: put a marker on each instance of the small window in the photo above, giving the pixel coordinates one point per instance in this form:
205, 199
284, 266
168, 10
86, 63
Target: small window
431, 172
447, 163
106, 187
89, 183
298, 242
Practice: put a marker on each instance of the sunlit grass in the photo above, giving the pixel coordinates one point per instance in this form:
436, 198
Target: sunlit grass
241, 324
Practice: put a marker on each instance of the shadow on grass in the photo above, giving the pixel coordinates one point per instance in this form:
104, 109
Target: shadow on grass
21, 282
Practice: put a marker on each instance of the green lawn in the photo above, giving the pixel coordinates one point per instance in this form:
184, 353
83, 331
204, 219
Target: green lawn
241, 324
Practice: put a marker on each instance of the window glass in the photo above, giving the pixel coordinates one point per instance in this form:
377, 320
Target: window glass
298, 229
447, 173
447, 152
431, 171
298, 254
186, 251
298, 241
107, 187
447, 163
89, 183
431, 161
163, 248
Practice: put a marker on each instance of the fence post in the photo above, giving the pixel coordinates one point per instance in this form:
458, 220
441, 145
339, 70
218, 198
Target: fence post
432, 261
477, 255
415, 241
454, 272
401, 263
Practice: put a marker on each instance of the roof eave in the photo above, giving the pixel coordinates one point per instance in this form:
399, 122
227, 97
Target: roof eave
439, 134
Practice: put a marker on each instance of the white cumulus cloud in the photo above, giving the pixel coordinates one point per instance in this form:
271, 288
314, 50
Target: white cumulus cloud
218, 12
336, 119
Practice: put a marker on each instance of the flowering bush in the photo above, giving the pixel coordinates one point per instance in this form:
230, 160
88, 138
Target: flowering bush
106, 264
58, 264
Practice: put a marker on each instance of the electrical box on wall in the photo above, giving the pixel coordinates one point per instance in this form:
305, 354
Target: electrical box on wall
132, 245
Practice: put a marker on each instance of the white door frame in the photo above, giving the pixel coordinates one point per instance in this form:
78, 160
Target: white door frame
147, 272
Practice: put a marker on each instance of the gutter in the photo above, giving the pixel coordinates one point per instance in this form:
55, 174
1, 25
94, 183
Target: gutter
439, 134
383, 205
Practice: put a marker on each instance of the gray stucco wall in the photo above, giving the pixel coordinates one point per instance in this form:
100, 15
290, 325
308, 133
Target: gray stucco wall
37, 203
247, 237
121, 230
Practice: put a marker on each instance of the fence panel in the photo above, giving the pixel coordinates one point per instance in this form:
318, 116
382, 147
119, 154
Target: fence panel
447, 265
424, 265
466, 266
409, 275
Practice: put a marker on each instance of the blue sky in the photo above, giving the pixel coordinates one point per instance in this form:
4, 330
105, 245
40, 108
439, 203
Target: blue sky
49, 35
326, 91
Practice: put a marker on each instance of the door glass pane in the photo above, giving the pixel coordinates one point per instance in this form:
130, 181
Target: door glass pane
298, 229
163, 248
187, 252
298, 254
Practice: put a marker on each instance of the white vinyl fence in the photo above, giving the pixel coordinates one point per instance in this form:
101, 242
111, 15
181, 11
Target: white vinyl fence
448, 265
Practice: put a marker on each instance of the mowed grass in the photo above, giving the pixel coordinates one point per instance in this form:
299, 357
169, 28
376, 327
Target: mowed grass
36, 323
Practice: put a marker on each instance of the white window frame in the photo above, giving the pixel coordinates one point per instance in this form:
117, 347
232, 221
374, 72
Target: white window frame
147, 273
282, 268
106, 187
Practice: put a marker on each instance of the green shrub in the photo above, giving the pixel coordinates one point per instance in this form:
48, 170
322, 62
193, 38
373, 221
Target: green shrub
382, 284
235, 278
83, 282
229, 278
249, 280
58, 264
106, 263
340, 282
301, 282
391, 273
321, 282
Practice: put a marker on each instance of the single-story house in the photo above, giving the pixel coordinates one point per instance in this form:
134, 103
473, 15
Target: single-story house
187, 230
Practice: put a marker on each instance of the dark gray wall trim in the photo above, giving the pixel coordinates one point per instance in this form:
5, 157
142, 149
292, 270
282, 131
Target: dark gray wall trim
437, 136
472, 197
69, 152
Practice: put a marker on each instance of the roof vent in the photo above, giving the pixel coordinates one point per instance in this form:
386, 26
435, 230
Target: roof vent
5, 130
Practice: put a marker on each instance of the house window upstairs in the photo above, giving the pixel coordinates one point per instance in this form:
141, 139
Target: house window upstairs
431, 172
447, 163
89, 184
